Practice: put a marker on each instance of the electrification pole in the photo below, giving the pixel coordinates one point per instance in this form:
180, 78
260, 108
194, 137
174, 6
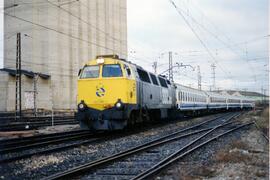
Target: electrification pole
155, 67
18, 81
35, 93
170, 67
213, 67
199, 78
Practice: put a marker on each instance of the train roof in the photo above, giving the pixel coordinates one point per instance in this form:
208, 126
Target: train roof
179, 86
116, 57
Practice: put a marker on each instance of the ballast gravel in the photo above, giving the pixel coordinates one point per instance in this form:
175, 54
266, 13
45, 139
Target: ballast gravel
38, 167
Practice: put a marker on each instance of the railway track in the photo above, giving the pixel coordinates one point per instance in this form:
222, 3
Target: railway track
28, 123
145, 160
20, 148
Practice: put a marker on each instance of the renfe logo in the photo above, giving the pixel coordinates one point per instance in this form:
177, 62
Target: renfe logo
100, 91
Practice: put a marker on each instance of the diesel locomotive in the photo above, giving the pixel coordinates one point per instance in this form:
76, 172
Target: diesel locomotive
114, 93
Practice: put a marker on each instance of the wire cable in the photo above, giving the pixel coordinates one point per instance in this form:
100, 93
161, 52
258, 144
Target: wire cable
198, 37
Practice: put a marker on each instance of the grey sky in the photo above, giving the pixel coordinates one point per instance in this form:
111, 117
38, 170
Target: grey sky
236, 32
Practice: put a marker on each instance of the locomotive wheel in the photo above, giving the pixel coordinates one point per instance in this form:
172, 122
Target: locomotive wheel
132, 119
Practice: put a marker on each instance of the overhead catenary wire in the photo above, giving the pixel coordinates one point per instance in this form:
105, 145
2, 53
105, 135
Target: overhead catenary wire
60, 32
82, 20
222, 41
200, 40
63, 33
73, 15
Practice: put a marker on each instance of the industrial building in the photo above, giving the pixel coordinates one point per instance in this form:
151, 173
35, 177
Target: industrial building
57, 38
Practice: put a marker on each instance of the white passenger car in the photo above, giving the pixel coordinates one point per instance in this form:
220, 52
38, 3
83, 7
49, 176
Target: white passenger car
189, 99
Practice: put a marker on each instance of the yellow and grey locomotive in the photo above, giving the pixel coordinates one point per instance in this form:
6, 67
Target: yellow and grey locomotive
114, 93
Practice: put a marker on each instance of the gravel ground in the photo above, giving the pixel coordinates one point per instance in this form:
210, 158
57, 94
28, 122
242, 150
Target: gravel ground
40, 166
138, 163
240, 155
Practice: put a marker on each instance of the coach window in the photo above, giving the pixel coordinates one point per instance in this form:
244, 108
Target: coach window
90, 72
143, 75
182, 96
154, 79
111, 70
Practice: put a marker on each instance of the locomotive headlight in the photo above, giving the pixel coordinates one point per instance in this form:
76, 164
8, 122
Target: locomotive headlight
119, 105
100, 61
81, 106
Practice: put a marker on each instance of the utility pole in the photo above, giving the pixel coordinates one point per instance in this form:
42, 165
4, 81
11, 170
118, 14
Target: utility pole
155, 67
18, 81
213, 67
52, 104
264, 97
170, 67
245, 91
35, 93
199, 78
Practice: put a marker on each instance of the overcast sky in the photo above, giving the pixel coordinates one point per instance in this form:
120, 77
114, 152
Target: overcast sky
234, 32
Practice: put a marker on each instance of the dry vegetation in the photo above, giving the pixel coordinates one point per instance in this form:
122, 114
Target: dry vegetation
263, 122
245, 158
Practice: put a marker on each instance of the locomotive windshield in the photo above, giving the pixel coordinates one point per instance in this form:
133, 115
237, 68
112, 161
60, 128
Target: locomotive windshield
112, 70
90, 72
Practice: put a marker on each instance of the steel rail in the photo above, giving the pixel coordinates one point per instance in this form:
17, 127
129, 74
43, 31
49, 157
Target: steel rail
72, 145
39, 144
55, 149
38, 136
34, 124
35, 139
175, 156
50, 150
153, 143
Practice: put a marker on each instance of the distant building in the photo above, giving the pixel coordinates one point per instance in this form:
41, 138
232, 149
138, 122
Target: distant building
253, 95
57, 38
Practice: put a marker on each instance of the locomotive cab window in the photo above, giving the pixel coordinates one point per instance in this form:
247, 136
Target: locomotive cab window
90, 72
162, 82
111, 70
128, 71
143, 75
154, 79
